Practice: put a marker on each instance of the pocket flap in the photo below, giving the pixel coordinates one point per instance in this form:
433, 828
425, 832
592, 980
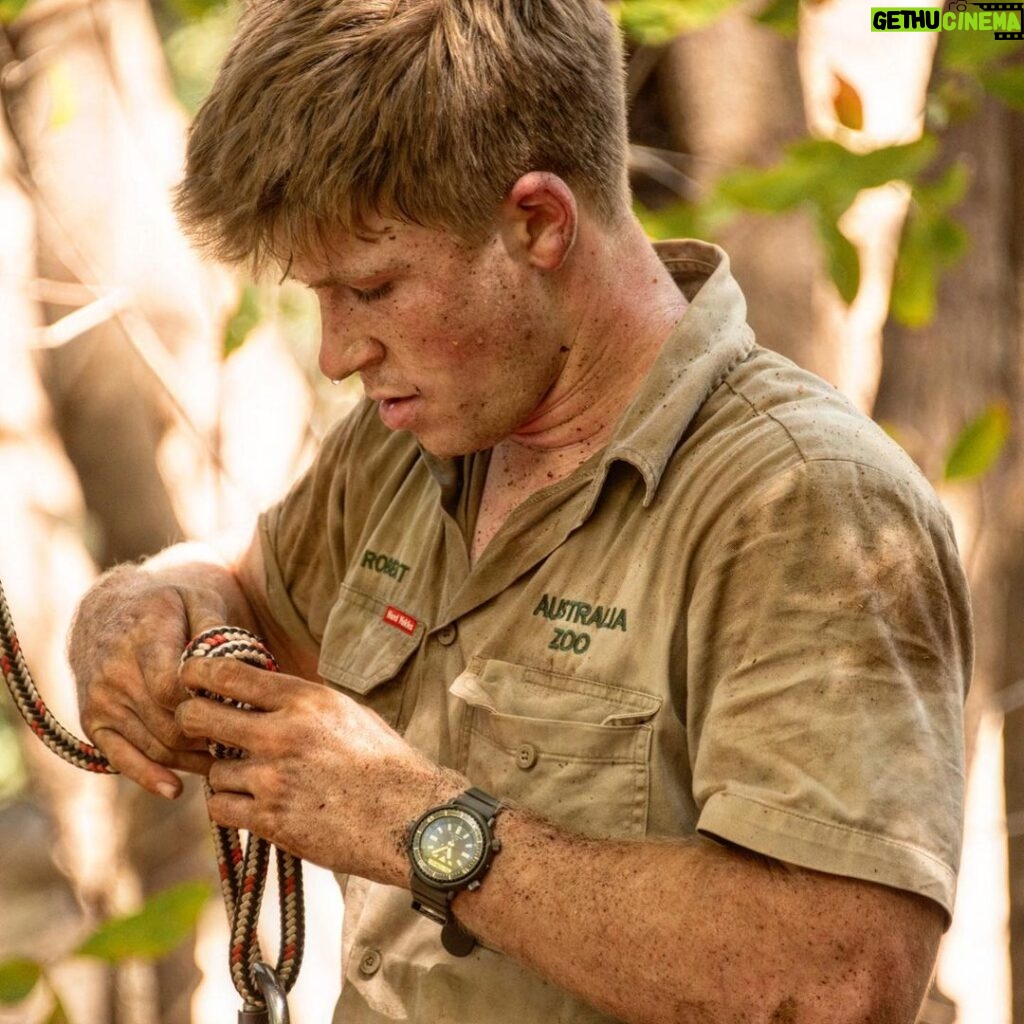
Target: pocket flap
384, 637
573, 749
503, 688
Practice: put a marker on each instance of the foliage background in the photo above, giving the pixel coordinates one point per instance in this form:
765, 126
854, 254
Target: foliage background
870, 190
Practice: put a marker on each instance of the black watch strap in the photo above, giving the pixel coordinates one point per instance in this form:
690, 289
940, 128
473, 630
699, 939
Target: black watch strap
477, 800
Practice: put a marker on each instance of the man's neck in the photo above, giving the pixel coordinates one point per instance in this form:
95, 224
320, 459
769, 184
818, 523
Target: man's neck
627, 307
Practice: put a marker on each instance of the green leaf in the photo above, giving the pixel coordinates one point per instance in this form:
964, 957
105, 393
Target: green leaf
824, 174
796, 178
657, 22
928, 247
892, 163
979, 445
1007, 85
164, 922
10, 9
677, 221
932, 241
244, 319
843, 261
196, 49
18, 977
686, 220
826, 177
781, 15
58, 1015
972, 52
191, 10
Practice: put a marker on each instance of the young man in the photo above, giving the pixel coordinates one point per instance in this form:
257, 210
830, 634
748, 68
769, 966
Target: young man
585, 549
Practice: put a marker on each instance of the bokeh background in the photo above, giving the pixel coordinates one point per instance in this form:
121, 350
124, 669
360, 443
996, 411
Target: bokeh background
869, 187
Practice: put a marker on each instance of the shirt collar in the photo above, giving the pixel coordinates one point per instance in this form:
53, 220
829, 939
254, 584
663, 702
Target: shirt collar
710, 339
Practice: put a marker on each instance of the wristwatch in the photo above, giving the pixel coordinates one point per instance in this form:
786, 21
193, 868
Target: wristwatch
450, 848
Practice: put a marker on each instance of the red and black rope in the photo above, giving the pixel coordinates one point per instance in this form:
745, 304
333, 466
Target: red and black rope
243, 868
32, 707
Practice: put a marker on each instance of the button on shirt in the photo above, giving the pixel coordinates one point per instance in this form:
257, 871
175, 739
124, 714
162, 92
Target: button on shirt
744, 618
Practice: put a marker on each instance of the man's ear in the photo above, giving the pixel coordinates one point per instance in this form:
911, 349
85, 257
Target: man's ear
539, 218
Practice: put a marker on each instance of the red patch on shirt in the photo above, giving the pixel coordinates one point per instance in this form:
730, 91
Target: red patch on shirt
400, 620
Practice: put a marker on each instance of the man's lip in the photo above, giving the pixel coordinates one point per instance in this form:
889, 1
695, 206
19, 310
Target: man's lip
376, 397
398, 413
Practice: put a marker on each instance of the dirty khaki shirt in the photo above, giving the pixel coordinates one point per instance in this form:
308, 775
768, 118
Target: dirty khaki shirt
745, 618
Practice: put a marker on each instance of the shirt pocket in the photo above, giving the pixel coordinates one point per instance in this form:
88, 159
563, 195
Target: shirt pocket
366, 643
576, 751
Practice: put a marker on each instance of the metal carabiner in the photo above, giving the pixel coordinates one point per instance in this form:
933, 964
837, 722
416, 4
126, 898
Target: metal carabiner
276, 1010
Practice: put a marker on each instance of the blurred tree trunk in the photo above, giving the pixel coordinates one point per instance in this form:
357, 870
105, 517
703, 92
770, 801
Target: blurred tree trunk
937, 379
749, 71
104, 249
44, 567
119, 292
1012, 542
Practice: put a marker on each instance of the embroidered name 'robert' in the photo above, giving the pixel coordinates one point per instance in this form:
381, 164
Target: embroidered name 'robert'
384, 564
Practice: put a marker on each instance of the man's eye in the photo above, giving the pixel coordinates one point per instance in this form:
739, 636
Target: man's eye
373, 294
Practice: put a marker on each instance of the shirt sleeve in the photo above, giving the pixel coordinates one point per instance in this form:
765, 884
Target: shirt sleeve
830, 651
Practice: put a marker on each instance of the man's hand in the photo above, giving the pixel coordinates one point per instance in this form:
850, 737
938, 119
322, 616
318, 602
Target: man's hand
323, 778
124, 647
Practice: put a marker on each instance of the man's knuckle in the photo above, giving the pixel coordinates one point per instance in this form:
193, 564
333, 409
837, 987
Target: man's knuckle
167, 733
165, 689
276, 789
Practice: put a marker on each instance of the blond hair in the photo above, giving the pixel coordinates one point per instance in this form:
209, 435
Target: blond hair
328, 112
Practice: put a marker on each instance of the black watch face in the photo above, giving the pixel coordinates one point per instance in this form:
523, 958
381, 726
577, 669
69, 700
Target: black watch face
448, 844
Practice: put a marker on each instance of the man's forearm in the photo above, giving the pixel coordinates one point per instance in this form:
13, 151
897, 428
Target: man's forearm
695, 932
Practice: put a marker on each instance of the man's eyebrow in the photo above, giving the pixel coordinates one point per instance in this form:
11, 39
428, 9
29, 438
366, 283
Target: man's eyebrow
358, 274
323, 282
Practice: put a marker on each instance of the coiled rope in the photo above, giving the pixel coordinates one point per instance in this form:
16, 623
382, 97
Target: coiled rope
242, 868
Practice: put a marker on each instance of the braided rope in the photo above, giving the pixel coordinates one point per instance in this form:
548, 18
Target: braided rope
243, 870
31, 707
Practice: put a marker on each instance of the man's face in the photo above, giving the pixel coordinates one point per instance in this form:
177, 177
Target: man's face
458, 345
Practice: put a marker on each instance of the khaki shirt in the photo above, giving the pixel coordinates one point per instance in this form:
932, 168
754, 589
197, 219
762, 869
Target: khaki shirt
744, 618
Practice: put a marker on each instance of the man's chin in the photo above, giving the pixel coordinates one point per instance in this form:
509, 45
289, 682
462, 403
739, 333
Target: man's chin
443, 440
448, 448
444, 444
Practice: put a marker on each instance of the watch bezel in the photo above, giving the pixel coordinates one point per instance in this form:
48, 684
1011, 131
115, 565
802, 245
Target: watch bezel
479, 826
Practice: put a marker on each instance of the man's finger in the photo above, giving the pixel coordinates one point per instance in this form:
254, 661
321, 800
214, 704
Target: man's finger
204, 608
152, 731
231, 678
233, 810
221, 723
134, 765
234, 775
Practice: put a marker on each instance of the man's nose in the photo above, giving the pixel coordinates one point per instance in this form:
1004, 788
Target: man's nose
343, 353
